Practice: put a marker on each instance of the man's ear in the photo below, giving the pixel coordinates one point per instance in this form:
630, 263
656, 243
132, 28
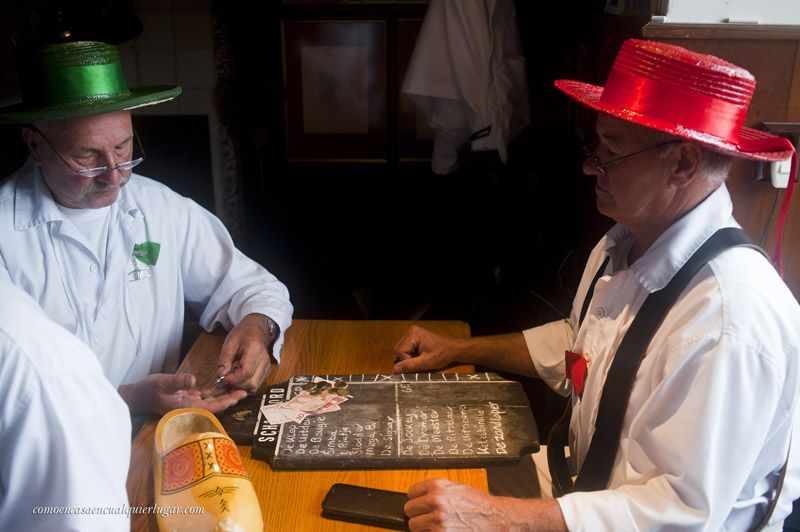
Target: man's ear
34, 142
686, 164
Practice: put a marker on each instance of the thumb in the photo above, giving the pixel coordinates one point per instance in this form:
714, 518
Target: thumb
178, 382
226, 358
411, 365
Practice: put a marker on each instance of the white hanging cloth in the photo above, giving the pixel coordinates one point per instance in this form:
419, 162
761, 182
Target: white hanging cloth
467, 74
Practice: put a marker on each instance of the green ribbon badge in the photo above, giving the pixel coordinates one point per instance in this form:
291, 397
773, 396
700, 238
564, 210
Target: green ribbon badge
147, 252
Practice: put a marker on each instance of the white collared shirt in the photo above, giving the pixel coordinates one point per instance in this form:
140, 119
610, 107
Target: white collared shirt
130, 313
64, 431
708, 424
93, 224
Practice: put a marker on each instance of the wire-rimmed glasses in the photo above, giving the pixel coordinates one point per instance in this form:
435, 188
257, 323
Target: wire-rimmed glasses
602, 167
99, 170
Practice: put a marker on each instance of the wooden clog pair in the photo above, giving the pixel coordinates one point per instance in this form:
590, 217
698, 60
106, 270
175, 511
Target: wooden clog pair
196, 465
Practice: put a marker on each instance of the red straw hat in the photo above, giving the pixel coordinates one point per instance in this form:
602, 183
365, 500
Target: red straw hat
695, 96
698, 97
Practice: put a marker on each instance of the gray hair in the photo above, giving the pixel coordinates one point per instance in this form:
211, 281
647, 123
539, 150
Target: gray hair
713, 167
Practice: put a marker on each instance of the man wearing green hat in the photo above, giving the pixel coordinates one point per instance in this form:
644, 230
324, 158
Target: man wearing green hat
112, 255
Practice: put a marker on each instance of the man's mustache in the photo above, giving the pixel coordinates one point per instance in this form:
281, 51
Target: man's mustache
105, 187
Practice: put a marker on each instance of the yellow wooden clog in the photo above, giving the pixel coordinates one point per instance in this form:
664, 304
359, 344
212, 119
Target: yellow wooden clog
196, 465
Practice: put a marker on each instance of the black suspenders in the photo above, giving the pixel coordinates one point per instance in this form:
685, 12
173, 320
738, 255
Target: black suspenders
596, 469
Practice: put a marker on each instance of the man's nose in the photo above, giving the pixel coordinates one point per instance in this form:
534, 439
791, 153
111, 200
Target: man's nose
590, 166
112, 176
113, 173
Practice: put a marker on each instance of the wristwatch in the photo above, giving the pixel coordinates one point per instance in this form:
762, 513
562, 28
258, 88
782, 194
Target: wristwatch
272, 327
274, 331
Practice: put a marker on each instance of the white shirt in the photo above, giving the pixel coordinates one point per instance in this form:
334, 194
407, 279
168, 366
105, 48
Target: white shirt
131, 313
93, 224
708, 424
64, 430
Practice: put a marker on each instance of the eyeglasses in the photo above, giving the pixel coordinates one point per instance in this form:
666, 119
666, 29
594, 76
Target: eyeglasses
602, 167
100, 170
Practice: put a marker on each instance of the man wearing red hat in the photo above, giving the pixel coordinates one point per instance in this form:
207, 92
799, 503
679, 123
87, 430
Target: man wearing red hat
113, 256
681, 352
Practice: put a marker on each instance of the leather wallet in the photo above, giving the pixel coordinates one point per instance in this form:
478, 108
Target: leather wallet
366, 506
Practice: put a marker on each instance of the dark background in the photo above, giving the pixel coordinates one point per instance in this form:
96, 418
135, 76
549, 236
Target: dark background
500, 246
497, 245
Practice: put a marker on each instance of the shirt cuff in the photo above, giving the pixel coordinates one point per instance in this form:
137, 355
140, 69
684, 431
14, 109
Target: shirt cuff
598, 510
283, 318
546, 345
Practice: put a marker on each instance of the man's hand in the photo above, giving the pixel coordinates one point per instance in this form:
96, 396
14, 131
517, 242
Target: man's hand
159, 393
248, 346
439, 505
421, 350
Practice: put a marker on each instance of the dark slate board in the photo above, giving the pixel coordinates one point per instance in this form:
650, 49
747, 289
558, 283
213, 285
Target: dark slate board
413, 420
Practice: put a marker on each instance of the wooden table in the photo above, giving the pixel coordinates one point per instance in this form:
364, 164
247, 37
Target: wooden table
291, 500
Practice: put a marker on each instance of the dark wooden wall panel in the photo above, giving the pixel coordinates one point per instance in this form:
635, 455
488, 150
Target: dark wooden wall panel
794, 92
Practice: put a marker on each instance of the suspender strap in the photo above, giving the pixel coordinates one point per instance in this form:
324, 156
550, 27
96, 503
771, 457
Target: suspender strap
590, 292
556, 461
782, 476
557, 439
596, 469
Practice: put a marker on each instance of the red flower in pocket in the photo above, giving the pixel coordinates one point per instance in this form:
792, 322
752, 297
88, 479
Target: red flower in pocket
577, 369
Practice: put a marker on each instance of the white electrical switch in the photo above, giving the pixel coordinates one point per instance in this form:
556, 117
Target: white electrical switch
779, 173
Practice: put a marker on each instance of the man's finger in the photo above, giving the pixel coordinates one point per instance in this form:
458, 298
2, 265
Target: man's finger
408, 347
177, 382
411, 365
222, 402
227, 357
409, 343
416, 506
250, 371
244, 368
421, 488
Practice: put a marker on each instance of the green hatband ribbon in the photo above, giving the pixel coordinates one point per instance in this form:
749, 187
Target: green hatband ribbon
65, 84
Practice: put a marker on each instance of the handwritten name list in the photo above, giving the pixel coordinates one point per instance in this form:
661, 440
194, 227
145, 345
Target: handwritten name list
411, 420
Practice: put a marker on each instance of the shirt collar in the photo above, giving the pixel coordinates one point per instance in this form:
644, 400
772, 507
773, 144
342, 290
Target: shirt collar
126, 202
33, 202
677, 244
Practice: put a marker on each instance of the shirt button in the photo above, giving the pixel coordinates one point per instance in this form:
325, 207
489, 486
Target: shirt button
600, 313
93, 268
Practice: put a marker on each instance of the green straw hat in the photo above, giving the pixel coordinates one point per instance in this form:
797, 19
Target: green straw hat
75, 79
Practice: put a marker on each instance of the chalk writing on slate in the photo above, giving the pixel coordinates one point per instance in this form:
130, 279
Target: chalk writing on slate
394, 421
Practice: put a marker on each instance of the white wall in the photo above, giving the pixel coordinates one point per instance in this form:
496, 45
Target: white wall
711, 11
176, 48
